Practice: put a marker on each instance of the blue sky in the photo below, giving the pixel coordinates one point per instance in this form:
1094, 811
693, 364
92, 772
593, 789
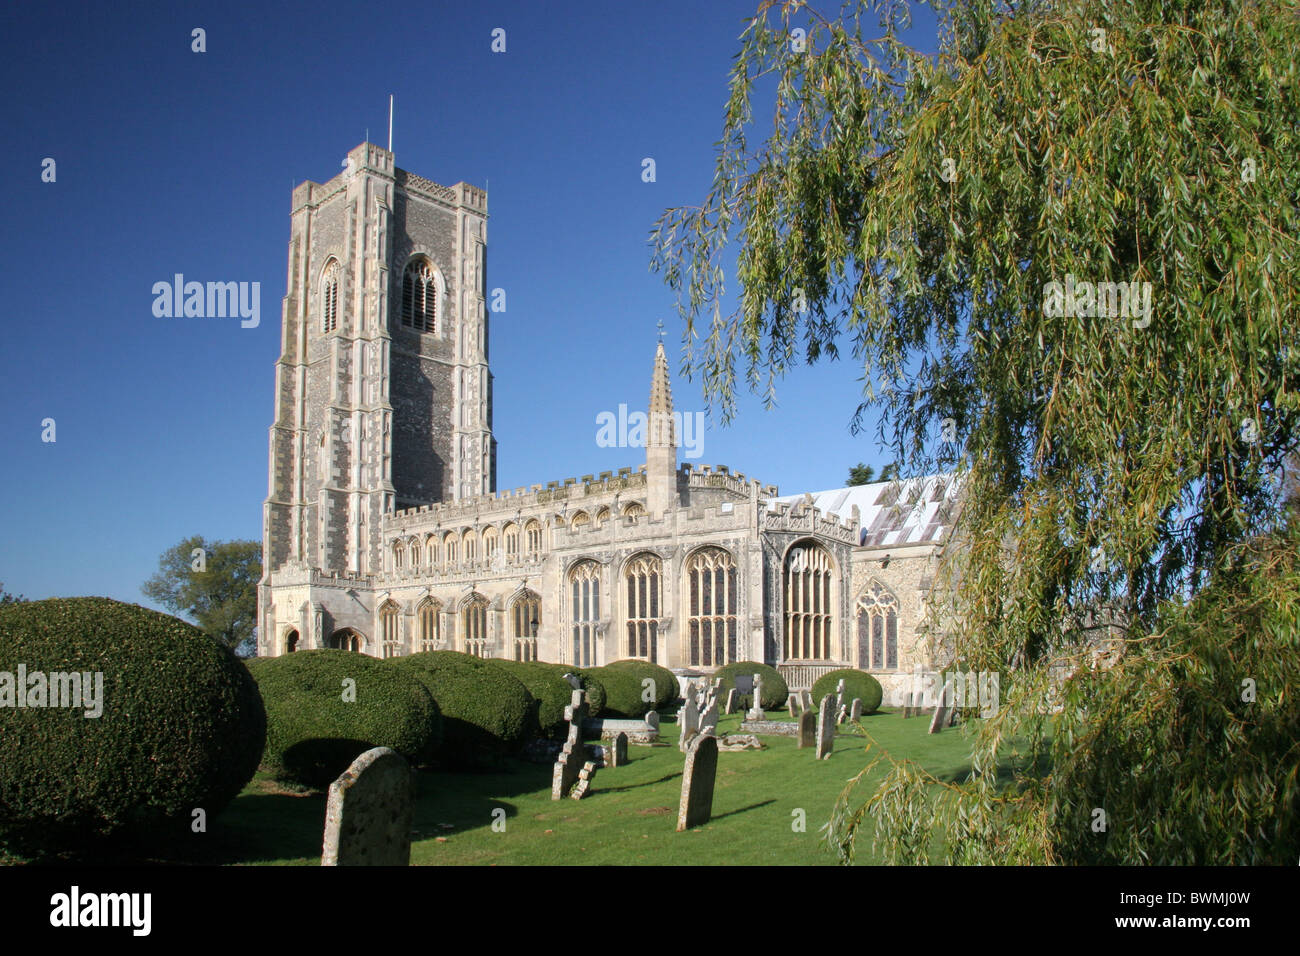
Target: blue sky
174, 161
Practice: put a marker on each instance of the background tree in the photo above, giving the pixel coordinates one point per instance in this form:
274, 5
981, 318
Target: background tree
212, 583
861, 474
7, 598
939, 213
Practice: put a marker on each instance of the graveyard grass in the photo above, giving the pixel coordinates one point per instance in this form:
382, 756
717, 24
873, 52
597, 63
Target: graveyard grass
629, 818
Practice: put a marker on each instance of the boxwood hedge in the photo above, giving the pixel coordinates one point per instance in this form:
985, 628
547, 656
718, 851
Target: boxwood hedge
485, 709
180, 727
550, 694
856, 684
665, 681
314, 731
622, 692
775, 691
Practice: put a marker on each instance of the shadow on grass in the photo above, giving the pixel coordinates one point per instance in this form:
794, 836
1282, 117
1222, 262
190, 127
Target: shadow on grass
637, 786
752, 806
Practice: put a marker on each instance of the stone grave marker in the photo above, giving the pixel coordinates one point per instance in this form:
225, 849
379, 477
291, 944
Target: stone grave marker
709, 719
585, 776
826, 727
855, 710
688, 722
568, 765
807, 729
731, 701
941, 709
790, 703
907, 705
368, 815
652, 720
616, 752
805, 700
841, 713
756, 711
697, 783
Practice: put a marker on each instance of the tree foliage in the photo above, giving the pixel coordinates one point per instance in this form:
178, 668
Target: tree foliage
938, 213
213, 583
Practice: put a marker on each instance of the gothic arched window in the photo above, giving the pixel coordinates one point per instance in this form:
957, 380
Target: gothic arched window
474, 617
399, 555
430, 625
643, 575
809, 616
534, 533
585, 611
711, 607
511, 536
390, 626
877, 629
526, 616
329, 297
419, 296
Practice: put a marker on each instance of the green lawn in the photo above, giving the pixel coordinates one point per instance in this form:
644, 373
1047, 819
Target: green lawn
629, 817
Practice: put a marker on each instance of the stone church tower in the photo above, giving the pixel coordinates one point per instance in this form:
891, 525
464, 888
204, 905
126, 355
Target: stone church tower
383, 393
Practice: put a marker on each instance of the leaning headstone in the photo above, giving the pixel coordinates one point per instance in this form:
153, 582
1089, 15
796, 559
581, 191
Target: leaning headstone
585, 776
368, 816
616, 753
826, 727
688, 722
941, 709
807, 729
855, 710
805, 700
731, 701
652, 721
709, 719
568, 764
793, 707
697, 783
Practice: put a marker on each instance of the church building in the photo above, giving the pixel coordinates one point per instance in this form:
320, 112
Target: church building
384, 532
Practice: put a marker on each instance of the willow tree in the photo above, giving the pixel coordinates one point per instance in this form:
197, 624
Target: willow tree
1063, 249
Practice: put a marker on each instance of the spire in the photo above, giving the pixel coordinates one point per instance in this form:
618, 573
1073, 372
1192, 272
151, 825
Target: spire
661, 404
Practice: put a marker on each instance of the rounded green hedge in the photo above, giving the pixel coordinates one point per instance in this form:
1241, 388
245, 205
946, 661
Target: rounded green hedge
180, 725
485, 709
622, 693
314, 733
775, 691
665, 681
550, 694
856, 684
592, 685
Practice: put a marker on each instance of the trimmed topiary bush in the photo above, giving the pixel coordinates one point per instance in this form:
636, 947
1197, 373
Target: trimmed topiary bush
665, 681
485, 709
180, 723
592, 685
550, 694
775, 691
314, 732
856, 684
622, 693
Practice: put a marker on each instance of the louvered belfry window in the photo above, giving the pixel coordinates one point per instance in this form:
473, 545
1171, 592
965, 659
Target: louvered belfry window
419, 296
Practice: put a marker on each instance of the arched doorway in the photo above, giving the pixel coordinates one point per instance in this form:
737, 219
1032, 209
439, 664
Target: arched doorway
346, 640
291, 642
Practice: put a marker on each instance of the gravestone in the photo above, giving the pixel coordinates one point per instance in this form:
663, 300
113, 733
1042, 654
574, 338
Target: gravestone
697, 783
568, 764
826, 727
744, 684
756, 711
709, 719
731, 701
585, 776
688, 722
907, 705
805, 700
616, 753
841, 713
807, 729
855, 711
368, 816
941, 709
790, 703
575, 682
652, 721
839, 690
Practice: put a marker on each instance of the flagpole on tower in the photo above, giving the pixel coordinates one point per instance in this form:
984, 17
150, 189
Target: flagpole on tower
390, 122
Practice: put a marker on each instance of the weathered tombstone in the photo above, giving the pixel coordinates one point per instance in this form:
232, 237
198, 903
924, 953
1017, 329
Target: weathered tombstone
616, 753
731, 701
368, 815
805, 700
907, 705
841, 713
688, 722
568, 764
756, 711
652, 720
575, 682
744, 684
855, 710
790, 704
709, 719
839, 690
826, 727
697, 783
585, 776
807, 729
941, 709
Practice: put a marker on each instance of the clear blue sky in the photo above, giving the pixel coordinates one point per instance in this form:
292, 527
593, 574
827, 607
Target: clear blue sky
173, 161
